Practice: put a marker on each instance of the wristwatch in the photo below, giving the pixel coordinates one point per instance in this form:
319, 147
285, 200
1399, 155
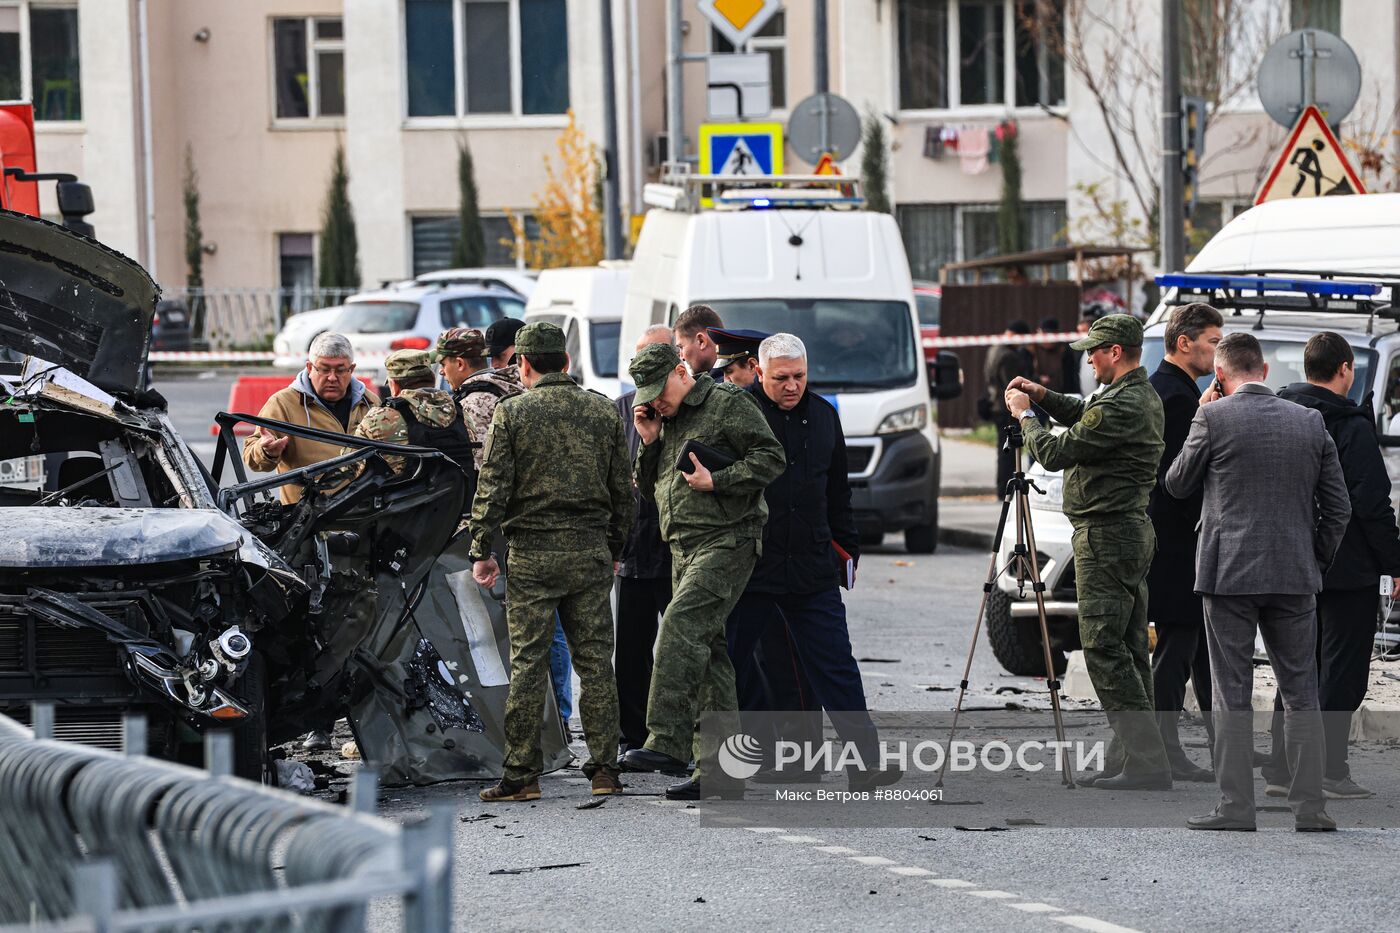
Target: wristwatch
1028, 413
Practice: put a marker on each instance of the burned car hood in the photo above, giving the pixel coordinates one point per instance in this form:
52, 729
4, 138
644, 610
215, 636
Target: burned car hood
38, 536
72, 301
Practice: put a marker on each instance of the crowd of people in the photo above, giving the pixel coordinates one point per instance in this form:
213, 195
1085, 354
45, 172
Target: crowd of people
1216, 515
713, 497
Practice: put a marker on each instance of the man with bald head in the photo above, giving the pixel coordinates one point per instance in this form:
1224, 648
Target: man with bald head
643, 588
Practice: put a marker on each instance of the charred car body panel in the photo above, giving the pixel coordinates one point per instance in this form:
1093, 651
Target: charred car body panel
135, 582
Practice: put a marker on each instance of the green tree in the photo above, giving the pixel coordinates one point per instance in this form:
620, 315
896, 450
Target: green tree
469, 248
1010, 237
194, 233
339, 259
875, 163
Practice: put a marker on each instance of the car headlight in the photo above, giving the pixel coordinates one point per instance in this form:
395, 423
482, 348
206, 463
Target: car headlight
1053, 499
906, 419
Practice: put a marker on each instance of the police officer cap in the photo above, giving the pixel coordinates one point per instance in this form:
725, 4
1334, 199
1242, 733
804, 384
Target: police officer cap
650, 369
466, 343
540, 337
735, 346
1122, 329
501, 334
408, 364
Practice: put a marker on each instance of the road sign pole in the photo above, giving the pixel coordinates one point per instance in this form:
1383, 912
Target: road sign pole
1173, 233
612, 192
819, 45
675, 92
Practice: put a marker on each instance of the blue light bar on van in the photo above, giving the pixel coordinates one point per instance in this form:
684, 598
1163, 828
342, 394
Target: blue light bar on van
1269, 284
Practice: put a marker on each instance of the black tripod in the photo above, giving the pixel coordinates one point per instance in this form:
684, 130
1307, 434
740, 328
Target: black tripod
1024, 565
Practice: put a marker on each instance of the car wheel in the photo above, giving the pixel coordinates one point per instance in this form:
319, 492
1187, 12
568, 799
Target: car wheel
922, 539
250, 758
1016, 642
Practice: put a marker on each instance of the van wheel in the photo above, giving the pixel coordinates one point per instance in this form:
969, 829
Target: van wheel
922, 539
1016, 642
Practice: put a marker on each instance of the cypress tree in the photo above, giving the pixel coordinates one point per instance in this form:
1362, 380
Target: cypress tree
194, 233
1010, 238
875, 163
469, 248
339, 259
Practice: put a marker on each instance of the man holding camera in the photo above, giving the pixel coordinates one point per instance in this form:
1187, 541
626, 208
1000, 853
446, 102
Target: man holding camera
1110, 456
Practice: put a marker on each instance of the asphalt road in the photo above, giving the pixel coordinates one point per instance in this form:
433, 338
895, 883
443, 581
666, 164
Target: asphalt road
647, 863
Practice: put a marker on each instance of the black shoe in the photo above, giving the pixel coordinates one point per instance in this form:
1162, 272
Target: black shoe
690, 790
1216, 821
317, 740
1162, 781
685, 790
644, 760
866, 781
1319, 822
1090, 778
1189, 773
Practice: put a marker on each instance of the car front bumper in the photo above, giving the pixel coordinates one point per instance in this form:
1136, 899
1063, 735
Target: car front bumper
894, 481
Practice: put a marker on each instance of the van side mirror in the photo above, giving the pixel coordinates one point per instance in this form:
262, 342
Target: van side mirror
945, 376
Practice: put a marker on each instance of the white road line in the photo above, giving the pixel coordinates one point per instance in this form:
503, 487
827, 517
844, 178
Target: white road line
993, 894
872, 860
837, 850
1035, 907
800, 839
951, 883
908, 871
1091, 923
764, 829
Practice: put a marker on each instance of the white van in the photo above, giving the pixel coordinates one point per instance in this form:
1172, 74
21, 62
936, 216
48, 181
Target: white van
586, 303
797, 254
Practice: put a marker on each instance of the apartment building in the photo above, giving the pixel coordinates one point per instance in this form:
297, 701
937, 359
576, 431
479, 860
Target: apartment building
261, 92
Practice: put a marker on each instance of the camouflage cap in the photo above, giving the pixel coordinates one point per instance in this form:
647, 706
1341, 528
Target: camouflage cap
650, 369
539, 337
467, 343
1122, 329
407, 364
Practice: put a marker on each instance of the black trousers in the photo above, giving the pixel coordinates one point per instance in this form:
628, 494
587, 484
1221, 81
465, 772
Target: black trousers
640, 603
1180, 655
1346, 632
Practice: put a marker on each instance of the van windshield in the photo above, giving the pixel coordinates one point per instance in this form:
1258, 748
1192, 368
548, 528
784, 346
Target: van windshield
1285, 359
852, 345
603, 337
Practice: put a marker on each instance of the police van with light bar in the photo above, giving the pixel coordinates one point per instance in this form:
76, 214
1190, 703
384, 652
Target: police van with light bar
1282, 271
798, 253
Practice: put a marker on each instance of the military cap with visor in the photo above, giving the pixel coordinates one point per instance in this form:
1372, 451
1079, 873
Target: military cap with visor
650, 369
465, 343
735, 346
1122, 329
407, 364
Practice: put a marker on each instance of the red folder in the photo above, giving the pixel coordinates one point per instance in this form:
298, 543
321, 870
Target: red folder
845, 567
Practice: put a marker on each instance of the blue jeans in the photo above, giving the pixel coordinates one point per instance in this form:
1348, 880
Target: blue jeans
560, 671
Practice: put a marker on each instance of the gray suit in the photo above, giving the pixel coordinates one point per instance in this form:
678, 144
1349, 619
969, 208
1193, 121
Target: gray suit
1275, 509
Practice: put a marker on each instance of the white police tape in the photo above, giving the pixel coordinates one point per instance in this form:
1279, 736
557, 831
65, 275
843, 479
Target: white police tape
237, 356
991, 340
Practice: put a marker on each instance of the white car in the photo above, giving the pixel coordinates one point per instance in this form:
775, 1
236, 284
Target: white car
412, 317
520, 281
292, 342
586, 303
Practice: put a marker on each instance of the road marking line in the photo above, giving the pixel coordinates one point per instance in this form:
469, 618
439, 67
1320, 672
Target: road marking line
1035, 907
993, 894
800, 839
872, 860
1091, 923
764, 829
908, 871
951, 883
837, 850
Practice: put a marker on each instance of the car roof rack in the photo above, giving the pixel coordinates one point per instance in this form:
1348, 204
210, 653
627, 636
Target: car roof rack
1295, 290
683, 190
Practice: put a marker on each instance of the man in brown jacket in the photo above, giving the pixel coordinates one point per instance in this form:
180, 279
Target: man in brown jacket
325, 395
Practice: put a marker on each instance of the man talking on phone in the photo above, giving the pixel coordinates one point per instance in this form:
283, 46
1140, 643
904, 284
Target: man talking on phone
706, 456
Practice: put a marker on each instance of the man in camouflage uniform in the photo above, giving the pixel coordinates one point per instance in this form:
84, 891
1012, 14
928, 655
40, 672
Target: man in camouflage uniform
713, 522
414, 395
477, 388
556, 479
1110, 456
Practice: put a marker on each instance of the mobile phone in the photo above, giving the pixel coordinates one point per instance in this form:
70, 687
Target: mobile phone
650, 411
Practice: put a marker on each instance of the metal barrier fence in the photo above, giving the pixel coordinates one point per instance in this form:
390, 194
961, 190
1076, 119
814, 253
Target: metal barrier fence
224, 318
92, 840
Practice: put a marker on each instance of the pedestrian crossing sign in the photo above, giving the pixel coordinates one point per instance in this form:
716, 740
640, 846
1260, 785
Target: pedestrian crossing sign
741, 149
1311, 164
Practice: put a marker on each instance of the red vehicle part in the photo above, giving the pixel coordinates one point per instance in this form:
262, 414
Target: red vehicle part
17, 151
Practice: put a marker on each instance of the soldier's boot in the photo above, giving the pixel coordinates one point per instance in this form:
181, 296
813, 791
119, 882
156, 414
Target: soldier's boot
605, 783
509, 791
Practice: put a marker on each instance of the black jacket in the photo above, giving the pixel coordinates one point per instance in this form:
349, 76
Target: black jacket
1174, 520
644, 555
809, 505
1371, 545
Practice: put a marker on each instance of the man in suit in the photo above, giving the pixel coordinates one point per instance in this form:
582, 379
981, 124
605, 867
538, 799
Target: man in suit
1267, 466
1175, 610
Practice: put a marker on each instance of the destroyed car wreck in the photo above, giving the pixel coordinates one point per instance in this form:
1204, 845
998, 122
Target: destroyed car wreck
132, 580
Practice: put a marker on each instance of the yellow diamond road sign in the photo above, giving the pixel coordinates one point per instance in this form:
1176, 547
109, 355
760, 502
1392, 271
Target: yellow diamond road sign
739, 20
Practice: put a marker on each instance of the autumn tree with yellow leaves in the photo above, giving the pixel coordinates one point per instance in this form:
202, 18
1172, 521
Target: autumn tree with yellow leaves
568, 211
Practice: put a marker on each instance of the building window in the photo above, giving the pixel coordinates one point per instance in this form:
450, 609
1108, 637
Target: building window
772, 38
958, 53
434, 235
296, 261
937, 234
1316, 14
513, 55
308, 56
39, 59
